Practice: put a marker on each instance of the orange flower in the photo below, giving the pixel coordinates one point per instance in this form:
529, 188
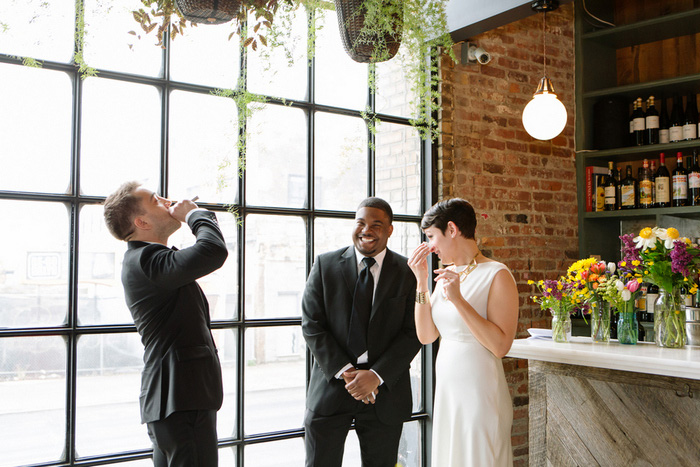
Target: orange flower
593, 277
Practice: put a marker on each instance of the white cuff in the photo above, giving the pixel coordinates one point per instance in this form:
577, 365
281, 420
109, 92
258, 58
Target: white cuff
339, 375
187, 217
381, 381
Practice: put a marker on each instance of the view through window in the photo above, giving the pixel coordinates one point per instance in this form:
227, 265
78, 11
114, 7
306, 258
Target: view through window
70, 357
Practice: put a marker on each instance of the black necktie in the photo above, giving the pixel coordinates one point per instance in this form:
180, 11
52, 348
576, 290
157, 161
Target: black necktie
361, 308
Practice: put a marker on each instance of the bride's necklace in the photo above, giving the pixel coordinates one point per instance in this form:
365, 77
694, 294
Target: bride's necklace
464, 272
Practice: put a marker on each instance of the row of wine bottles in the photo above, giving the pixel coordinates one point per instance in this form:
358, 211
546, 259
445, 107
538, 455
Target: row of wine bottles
653, 187
651, 126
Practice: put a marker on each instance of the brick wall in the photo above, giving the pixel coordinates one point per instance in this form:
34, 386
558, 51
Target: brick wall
524, 190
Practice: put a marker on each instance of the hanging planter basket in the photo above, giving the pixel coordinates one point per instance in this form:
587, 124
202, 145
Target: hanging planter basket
209, 11
369, 43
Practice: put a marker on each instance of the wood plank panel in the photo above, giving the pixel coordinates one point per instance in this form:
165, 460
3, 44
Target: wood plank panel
593, 416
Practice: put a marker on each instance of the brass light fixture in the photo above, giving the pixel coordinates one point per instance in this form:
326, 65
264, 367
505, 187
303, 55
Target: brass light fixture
544, 117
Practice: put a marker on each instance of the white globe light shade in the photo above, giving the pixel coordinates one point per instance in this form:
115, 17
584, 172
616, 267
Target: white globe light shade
544, 117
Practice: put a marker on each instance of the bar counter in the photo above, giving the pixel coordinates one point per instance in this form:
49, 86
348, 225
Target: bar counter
611, 404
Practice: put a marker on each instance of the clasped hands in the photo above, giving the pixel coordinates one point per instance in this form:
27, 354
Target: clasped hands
362, 385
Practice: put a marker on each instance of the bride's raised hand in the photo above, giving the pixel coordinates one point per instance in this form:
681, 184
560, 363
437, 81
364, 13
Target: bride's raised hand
418, 262
450, 283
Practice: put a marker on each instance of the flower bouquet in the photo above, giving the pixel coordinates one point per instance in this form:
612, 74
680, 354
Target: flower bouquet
591, 275
560, 298
663, 257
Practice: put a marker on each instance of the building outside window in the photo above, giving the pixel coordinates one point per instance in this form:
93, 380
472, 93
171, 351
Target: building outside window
70, 357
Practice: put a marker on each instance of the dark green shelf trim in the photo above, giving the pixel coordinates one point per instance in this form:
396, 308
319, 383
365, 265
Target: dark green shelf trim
679, 84
650, 212
639, 152
651, 30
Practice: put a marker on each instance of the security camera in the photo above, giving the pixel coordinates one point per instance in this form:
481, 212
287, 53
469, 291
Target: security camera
476, 54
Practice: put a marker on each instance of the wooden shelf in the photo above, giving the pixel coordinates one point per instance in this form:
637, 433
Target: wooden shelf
677, 85
685, 211
652, 30
631, 153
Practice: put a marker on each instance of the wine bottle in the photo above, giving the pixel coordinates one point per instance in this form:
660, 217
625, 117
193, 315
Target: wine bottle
663, 123
628, 190
663, 182
639, 124
690, 123
651, 121
632, 115
680, 182
675, 131
645, 187
694, 181
652, 175
610, 189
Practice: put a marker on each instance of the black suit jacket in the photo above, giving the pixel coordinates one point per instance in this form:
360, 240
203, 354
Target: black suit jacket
391, 340
181, 365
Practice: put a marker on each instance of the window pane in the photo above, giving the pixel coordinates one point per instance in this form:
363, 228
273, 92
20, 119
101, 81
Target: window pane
35, 129
38, 29
276, 163
270, 70
108, 44
33, 402
204, 55
394, 95
100, 291
275, 266
274, 379
108, 388
332, 234
220, 287
203, 141
120, 135
34, 265
411, 446
416, 381
339, 80
286, 453
227, 344
398, 174
405, 239
341, 161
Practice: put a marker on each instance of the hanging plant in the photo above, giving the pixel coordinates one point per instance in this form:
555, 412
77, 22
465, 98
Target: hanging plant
209, 11
370, 30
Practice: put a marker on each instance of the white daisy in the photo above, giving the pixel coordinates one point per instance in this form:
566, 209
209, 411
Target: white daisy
668, 236
646, 238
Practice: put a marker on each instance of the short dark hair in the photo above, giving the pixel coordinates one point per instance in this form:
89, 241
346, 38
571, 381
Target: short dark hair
120, 209
378, 203
456, 210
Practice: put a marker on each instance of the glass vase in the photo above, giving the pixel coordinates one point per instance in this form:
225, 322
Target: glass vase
600, 320
627, 326
669, 319
561, 327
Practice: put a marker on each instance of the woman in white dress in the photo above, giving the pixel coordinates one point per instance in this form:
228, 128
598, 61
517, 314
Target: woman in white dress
474, 310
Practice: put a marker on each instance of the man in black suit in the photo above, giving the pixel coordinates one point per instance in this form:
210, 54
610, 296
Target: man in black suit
360, 371
181, 384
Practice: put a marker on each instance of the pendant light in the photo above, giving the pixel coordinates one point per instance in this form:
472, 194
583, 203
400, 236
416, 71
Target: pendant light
544, 117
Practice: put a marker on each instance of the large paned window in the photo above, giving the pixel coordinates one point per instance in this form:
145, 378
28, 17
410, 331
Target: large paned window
70, 356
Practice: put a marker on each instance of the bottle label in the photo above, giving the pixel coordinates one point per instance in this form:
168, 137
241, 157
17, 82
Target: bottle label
663, 136
680, 187
645, 193
675, 133
600, 199
663, 193
610, 195
652, 121
651, 300
631, 126
627, 196
639, 124
694, 180
690, 131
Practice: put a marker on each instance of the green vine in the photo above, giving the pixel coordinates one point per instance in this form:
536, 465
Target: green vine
78, 58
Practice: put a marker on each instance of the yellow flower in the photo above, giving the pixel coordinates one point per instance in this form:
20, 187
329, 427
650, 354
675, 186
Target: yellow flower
636, 262
693, 289
678, 312
623, 263
672, 233
549, 289
685, 279
530, 282
651, 263
639, 279
559, 286
646, 233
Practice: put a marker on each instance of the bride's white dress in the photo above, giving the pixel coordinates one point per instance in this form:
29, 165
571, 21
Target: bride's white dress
473, 411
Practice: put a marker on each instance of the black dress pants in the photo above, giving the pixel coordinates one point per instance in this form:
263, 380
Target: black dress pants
325, 438
185, 439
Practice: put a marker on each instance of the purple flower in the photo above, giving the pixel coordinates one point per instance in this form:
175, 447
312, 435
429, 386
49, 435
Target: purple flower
680, 258
629, 250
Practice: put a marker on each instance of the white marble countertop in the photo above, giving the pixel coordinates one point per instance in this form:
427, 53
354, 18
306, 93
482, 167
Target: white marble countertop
645, 357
